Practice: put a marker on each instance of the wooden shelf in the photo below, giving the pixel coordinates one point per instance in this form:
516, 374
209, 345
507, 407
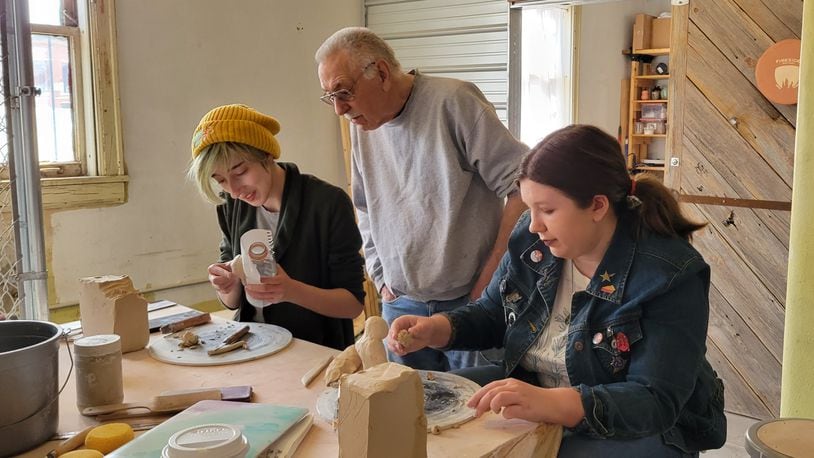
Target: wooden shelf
649, 168
652, 77
642, 79
652, 52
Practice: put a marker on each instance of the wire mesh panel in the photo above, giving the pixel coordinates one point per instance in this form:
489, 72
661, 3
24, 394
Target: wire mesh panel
10, 302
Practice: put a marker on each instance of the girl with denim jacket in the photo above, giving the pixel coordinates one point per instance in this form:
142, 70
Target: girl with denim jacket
601, 305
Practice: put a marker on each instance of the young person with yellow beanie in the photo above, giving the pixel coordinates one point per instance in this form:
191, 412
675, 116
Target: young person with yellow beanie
318, 288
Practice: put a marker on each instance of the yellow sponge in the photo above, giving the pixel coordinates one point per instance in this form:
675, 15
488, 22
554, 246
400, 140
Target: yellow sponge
83, 454
109, 437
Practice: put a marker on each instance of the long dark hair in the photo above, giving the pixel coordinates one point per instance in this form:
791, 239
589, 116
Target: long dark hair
583, 161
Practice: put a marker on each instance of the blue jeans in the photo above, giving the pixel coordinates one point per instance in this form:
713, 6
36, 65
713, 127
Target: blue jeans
578, 446
429, 358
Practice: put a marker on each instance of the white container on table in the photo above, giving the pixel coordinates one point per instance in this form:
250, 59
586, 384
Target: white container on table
215, 440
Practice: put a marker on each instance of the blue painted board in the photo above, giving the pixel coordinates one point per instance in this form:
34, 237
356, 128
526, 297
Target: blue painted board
262, 424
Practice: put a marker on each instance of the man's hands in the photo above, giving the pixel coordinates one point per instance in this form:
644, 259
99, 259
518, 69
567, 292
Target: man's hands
386, 294
418, 332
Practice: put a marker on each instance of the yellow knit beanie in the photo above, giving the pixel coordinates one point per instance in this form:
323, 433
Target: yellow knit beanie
240, 124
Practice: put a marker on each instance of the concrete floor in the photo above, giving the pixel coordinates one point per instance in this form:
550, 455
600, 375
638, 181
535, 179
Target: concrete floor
735, 436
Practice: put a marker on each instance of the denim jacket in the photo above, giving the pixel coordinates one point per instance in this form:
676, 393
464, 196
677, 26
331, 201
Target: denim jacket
636, 341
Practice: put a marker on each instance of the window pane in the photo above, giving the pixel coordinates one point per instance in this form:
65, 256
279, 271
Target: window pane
546, 71
52, 74
44, 11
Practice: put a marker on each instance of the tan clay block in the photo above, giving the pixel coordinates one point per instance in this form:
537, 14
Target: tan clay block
109, 304
381, 413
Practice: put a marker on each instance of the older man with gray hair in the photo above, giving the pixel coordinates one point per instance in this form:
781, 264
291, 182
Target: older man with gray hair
432, 167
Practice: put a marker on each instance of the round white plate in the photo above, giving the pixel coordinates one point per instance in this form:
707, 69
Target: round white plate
263, 339
445, 397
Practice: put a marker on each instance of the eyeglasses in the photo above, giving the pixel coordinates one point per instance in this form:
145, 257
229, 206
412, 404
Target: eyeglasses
344, 95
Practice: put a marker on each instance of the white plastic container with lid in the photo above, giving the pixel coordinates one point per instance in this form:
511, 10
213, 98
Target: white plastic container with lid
654, 111
257, 255
214, 440
98, 370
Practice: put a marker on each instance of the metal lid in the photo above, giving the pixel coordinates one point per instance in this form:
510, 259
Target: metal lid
98, 345
780, 438
214, 440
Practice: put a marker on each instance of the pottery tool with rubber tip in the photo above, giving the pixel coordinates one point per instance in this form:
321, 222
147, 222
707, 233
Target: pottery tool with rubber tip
168, 402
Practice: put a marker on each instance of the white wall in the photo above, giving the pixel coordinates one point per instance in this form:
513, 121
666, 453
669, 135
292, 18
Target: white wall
178, 59
607, 29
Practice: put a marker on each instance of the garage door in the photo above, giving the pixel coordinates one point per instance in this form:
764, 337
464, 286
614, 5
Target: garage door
464, 39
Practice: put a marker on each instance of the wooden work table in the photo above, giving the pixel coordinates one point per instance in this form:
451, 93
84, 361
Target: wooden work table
276, 380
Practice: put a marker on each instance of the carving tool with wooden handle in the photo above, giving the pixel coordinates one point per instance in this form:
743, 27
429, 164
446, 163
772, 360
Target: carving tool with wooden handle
226, 348
75, 439
71, 443
149, 423
168, 402
186, 323
232, 342
156, 323
237, 335
160, 404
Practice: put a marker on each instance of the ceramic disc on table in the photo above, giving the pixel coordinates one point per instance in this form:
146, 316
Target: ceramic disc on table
263, 340
445, 397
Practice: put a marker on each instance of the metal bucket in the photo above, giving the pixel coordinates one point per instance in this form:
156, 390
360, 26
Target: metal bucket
29, 370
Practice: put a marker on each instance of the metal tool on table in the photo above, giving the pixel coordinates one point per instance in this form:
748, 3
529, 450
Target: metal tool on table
168, 402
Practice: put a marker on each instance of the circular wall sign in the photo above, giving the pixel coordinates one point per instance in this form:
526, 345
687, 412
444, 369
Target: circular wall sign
778, 72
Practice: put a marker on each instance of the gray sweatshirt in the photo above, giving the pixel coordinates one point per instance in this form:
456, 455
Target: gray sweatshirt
428, 188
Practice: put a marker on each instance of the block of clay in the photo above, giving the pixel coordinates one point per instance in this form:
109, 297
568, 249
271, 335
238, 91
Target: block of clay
381, 413
109, 304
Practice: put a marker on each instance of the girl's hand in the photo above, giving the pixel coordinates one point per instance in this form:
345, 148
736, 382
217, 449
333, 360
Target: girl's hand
516, 399
512, 398
222, 278
276, 289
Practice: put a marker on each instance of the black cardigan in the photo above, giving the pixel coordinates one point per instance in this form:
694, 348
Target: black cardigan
317, 242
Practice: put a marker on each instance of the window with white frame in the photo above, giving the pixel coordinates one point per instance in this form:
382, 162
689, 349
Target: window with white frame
546, 69
78, 126
57, 64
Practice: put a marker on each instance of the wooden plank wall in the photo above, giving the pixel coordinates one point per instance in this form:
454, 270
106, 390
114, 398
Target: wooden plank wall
732, 142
